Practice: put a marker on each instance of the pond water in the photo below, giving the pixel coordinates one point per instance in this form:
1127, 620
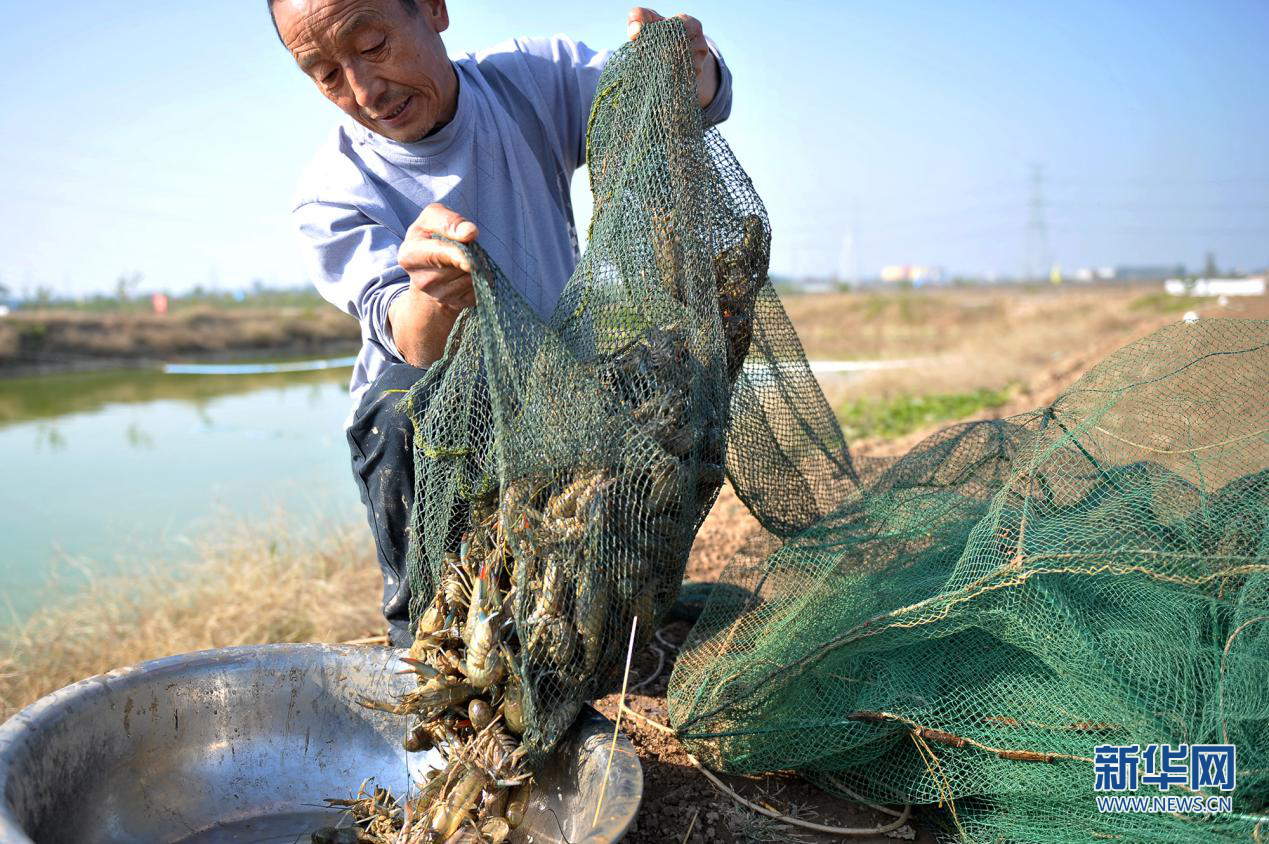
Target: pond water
99, 468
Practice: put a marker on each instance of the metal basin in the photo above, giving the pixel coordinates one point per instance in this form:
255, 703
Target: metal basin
242, 745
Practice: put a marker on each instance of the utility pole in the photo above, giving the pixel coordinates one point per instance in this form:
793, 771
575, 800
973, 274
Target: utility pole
1037, 237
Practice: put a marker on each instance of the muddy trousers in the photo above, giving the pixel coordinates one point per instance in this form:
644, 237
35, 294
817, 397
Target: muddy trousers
381, 440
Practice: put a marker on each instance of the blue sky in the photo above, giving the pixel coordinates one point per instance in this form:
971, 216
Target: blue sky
165, 138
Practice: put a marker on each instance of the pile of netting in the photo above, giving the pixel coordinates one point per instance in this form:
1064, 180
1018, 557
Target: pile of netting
967, 623
957, 627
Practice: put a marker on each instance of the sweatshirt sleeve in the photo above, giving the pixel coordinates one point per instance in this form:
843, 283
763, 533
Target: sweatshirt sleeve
559, 76
352, 261
719, 108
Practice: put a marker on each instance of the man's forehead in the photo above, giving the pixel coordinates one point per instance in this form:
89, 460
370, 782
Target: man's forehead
306, 24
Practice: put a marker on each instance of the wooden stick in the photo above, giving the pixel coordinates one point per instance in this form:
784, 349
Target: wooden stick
656, 725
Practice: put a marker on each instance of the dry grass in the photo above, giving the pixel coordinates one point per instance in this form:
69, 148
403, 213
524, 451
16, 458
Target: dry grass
963, 341
246, 590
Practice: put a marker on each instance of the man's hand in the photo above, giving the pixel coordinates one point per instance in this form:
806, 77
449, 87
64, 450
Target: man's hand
440, 284
703, 61
439, 269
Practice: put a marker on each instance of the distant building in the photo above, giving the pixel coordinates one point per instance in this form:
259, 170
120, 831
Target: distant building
911, 273
1088, 274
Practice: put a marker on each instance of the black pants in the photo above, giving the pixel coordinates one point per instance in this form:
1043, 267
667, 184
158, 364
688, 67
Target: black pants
381, 439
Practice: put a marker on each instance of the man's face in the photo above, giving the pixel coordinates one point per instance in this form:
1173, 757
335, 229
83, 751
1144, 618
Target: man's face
383, 66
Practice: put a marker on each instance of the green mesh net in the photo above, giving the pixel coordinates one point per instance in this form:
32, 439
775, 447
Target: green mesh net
577, 456
960, 626
974, 618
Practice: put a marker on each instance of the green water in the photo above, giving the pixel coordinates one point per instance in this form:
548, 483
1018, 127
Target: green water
98, 469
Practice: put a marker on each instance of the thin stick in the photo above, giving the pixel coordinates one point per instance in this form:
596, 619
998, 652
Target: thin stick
612, 750
404, 834
656, 725
691, 824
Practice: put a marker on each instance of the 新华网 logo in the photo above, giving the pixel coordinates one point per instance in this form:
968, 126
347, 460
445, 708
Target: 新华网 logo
1194, 768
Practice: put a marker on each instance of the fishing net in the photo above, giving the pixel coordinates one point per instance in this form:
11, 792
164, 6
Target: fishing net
960, 626
564, 465
974, 618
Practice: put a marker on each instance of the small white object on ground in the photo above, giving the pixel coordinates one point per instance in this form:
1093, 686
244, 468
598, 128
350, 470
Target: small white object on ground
1191, 316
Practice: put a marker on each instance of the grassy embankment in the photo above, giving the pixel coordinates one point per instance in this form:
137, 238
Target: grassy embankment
70, 338
977, 349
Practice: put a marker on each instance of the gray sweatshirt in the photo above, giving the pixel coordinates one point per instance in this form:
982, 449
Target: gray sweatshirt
504, 162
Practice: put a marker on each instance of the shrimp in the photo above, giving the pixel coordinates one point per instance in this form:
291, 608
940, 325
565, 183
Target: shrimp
499, 755
483, 664
574, 497
513, 704
467, 834
494, 805
590, 613
495, 829
435, 694
551, 637
460, 803
517, 803
480, 713
456, 580
550, 592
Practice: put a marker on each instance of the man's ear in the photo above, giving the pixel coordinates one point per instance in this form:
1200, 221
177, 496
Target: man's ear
436, 12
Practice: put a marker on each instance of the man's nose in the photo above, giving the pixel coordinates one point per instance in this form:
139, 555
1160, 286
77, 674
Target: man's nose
366, 85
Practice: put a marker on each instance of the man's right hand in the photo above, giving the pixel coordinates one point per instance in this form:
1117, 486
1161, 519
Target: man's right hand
440, 284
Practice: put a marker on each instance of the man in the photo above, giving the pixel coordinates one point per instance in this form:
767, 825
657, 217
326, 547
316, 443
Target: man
482, 146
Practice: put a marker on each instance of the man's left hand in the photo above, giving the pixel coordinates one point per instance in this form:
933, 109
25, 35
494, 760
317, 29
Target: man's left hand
703, 61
